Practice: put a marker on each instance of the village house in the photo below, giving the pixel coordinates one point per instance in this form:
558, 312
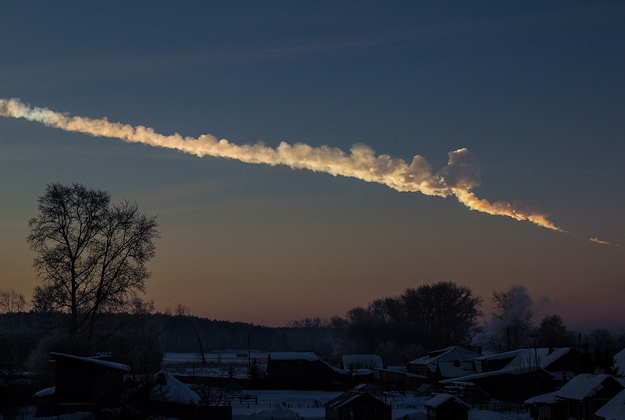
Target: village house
81, 384
398, 380
450, 362
300, 370
446, 407
578, 399
353, 405
94, 384
518, 375
561, 363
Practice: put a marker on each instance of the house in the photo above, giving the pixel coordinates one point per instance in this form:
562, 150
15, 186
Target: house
507, 384
520, 374
613, 409
371, 389
300, 370
81, 384
357, 405
546, 407
579, 398
450, 362
561, 363
446, 407
398, 380
91, 384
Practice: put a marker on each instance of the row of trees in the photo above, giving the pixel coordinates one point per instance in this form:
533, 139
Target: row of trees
430, 316
91, 260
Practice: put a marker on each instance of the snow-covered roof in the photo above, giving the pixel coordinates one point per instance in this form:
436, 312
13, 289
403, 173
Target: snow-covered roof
547, 398
93, 360
175, 391
613, 409
308, 356
277, 413
450, 353
367, 387
523, 357
367, 361
455, 369
440, 399
476, 376
46, 392
583, 386
347, 397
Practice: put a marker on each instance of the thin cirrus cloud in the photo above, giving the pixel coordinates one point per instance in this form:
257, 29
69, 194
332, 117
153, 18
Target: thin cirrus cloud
458, 178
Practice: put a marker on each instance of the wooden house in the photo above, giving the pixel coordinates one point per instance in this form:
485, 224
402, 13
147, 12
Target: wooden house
357, 405
450, 362
446, 407
300, 370
82, 384
580, 398
397, 380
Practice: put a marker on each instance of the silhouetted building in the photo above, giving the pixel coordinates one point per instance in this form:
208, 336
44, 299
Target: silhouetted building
446, 407
357, 405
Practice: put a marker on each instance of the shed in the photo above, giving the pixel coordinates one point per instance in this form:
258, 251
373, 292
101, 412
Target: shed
446, 407
299, 370
81, 383
357, 405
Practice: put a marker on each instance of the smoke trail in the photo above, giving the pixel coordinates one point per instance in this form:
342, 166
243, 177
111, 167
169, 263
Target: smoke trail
457, 178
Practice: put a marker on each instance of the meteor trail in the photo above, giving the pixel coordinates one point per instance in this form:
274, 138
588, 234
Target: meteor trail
457, 178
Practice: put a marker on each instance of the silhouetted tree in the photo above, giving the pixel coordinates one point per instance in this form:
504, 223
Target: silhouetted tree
90, 254
512, 322
12, 303
430, 316
553, 333
443, 313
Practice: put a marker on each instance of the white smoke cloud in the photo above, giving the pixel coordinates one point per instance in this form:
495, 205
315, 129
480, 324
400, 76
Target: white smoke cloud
457, 178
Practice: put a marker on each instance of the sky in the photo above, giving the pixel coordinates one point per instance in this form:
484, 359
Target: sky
362, 138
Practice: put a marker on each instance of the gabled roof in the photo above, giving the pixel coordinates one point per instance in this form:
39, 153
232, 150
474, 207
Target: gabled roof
482, 375
548, 398
584, 386
441, 399
175, 391
91, 360
454, 369
579, 388
448, 354
348, 397
308, 356
523, 357
613, 409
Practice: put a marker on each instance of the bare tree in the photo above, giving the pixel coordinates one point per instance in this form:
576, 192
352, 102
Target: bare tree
11, 303
512, 322
90, 254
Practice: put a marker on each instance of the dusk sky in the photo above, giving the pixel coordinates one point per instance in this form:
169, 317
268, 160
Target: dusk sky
521, 104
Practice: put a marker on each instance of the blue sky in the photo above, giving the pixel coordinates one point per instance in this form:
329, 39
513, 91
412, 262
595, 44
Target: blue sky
533, 89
